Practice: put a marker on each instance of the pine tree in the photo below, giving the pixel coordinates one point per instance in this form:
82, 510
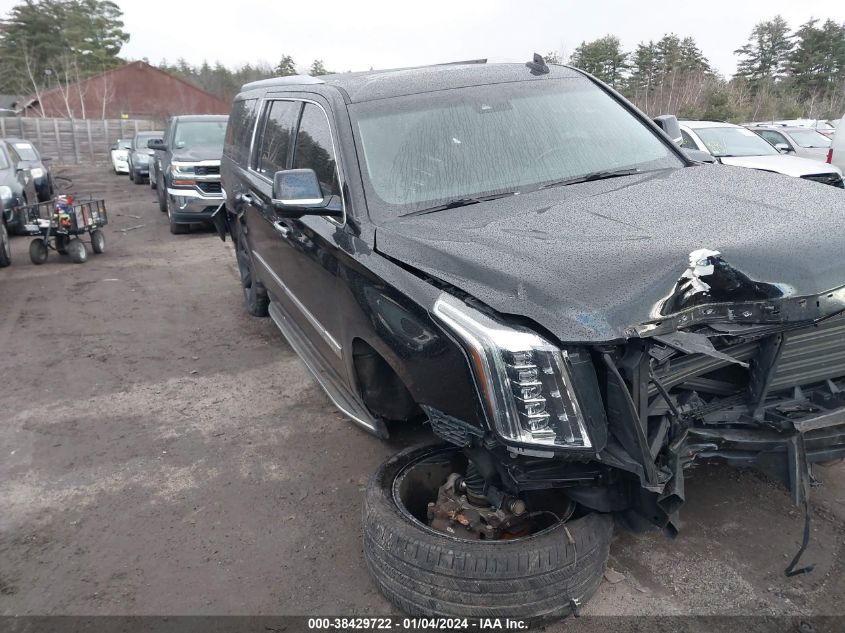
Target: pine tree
317, 68
286, 66
767, 53
602, 58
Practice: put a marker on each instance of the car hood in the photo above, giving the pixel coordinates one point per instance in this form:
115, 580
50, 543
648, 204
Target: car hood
199, 152
790, 165
611, 259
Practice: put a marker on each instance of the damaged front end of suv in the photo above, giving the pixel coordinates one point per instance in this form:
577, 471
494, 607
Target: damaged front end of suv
729, 368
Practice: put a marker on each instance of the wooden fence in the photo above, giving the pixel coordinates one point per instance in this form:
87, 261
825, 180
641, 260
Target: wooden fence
74, 141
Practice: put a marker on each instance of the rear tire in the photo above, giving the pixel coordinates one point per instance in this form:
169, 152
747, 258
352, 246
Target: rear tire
137, 178
5, 246
76, 251
38, 251
255, 297
424, 572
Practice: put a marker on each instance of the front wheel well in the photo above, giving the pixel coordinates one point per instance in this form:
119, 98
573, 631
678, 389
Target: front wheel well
380, 387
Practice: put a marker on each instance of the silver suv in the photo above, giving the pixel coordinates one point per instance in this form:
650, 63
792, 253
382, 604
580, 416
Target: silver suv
798, 141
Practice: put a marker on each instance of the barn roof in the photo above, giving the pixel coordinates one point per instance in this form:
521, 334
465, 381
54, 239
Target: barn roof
136, 90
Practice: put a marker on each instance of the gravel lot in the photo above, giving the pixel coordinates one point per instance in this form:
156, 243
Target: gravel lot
165, 453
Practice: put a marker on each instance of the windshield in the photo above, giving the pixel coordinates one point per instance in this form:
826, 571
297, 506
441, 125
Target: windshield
420, 151
194, 133
25, 151
734, 141
141, 140
809, 138
121, 144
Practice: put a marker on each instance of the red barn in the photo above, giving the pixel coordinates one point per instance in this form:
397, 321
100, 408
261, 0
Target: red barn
134, 91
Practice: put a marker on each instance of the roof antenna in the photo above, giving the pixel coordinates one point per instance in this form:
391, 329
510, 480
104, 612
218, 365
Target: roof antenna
538, 66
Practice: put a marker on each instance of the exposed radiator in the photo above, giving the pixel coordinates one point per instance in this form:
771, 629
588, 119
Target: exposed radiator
809, 355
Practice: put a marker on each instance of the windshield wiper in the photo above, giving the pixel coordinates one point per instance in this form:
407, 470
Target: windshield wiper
596, 175
459, 202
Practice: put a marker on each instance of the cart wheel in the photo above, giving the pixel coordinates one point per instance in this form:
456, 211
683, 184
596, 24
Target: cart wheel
76, 251
38, 251
61, 244
98, 241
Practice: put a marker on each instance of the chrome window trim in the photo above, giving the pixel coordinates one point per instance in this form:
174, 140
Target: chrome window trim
263, 108
324, 333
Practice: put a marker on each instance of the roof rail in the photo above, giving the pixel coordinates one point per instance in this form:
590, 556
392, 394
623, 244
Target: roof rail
290, 80
466, 61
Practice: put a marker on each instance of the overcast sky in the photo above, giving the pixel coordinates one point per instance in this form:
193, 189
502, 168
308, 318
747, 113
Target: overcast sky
358, 35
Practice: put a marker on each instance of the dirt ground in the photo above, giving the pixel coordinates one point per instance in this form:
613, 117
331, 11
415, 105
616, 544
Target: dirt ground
162, 452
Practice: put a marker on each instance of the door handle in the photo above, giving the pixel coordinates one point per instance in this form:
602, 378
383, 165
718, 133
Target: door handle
245, 198
282, 229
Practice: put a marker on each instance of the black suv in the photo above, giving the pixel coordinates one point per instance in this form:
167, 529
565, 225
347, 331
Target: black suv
187, 169
515, 255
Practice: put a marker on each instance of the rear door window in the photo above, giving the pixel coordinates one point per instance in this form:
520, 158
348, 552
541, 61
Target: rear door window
275, 144
239, 131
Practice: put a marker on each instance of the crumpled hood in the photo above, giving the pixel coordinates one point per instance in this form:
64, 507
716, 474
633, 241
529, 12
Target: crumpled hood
197, 153
589, 262
781, 163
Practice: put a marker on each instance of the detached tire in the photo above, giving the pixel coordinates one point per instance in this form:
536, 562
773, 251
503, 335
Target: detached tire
429, 573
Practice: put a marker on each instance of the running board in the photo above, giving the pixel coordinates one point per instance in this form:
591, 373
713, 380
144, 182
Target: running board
325, 376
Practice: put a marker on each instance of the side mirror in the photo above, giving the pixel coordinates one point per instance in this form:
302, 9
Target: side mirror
297, 192
669, 124
157, 144
698, 156
783, 148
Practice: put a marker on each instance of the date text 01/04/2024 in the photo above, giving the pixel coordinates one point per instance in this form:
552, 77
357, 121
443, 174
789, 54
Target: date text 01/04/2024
417, 624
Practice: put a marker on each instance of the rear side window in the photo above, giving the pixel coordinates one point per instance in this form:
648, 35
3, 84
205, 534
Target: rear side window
26, 151
239, 131
314, 149
275, 137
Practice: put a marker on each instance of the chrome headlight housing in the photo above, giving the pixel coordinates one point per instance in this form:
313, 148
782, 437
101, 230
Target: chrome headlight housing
182, 169
36, 172
5, 193
524, 381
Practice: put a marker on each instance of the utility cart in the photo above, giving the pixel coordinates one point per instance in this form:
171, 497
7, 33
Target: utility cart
61, 225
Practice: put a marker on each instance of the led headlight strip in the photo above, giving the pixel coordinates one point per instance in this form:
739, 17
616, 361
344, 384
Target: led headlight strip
524, 380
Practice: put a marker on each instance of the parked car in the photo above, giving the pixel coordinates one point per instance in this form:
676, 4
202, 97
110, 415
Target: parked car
824, 127
577, 310
187, 168
26, 157
120, 155
736, 145
140, 156
836, 153
17, 189
798, 141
